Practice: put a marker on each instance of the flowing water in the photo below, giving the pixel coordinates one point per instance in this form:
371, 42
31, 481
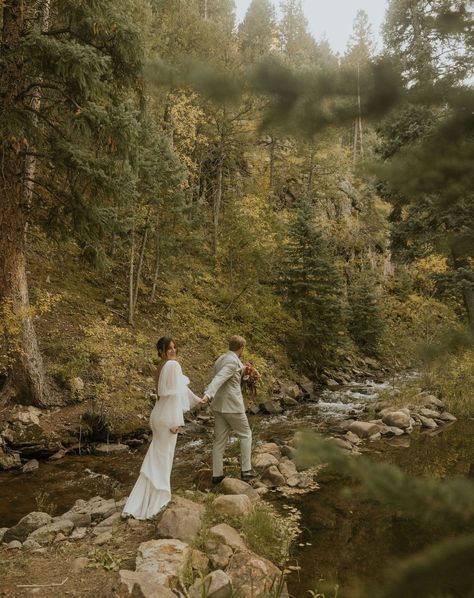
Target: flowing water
344, 538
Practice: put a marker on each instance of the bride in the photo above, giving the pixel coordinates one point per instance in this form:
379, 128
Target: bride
152, 490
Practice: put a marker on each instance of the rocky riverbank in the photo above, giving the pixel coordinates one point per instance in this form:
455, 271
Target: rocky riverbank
202, 544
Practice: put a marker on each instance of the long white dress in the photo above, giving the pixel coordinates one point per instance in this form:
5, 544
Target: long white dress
152, 490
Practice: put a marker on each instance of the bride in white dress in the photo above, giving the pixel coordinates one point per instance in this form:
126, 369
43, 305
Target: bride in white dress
152, 490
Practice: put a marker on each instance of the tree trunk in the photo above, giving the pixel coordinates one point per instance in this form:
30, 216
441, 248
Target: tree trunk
26, 377
131, 276
272, 163
217, 206
157, 260
461, 262
139, 269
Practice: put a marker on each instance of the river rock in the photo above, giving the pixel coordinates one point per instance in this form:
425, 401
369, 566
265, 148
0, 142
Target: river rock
447, 417
263, 461
430, 413
31, 544
168, 559
97, 508
432, 400
220, 557
78, 533
271, 448
111, 521
352, 438
14, 545
271, 407
289, 402
428, 422
235, 486
288, 470
9, 460
45, 534
144, 584
399, 419
29, 466
253, 575
288, 451
182, 520
79, 519
30, 438
293, 391
58, 455
215, 585
26, 526
103, 448
233, 505
363, 429
225, 534
272, 477
393, 431
343, 444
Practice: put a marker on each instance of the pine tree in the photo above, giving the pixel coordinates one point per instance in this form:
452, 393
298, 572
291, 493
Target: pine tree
63, 101
312, 290
297, 44
366, 325
258, 31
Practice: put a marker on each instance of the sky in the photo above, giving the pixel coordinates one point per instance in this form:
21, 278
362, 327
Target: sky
333, 18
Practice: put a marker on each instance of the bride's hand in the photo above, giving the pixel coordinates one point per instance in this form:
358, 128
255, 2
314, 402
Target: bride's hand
174, 430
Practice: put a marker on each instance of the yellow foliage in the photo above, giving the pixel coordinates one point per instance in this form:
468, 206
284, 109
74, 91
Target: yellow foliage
453, 377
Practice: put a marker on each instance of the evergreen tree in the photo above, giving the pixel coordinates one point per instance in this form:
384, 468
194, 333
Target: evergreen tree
258, 30
312, 290
65, 127
297, 44
366, 325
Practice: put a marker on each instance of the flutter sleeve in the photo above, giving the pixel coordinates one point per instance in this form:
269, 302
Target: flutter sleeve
173, 383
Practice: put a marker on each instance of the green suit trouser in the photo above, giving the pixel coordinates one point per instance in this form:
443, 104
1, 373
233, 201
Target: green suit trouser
224, 425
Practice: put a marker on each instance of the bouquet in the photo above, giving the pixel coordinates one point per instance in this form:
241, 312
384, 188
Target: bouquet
250, 380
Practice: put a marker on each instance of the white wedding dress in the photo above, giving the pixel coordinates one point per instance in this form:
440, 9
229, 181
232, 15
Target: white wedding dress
152, 490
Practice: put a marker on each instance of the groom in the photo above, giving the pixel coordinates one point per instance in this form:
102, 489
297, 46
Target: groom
227, 404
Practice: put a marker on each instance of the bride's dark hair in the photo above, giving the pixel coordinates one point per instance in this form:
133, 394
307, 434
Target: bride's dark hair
164, 344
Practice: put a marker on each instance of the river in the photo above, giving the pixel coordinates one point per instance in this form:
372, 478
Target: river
344, 538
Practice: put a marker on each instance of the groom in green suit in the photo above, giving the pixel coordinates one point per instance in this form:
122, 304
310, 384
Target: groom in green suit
227, 405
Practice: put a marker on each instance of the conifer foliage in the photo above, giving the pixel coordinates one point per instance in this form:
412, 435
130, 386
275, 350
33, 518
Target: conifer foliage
312, 290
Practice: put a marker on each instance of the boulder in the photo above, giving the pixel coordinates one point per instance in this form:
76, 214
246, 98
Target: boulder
110, 521
272, 477
26, 526
30, 438
293, 391
182, 519
431, 413
225, 534
233, 505
45, 534
168, 559
9, 460
58, 455
428, 422
399, 419
363, 429
288, 451
271, 448
144, 584
103, 448
29, 466
220, 557
235, 486
79, 519
254, 576
263, 461
215, 585
289, 402
288, 470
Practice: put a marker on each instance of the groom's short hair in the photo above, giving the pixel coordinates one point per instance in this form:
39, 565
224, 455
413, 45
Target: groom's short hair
236, 343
